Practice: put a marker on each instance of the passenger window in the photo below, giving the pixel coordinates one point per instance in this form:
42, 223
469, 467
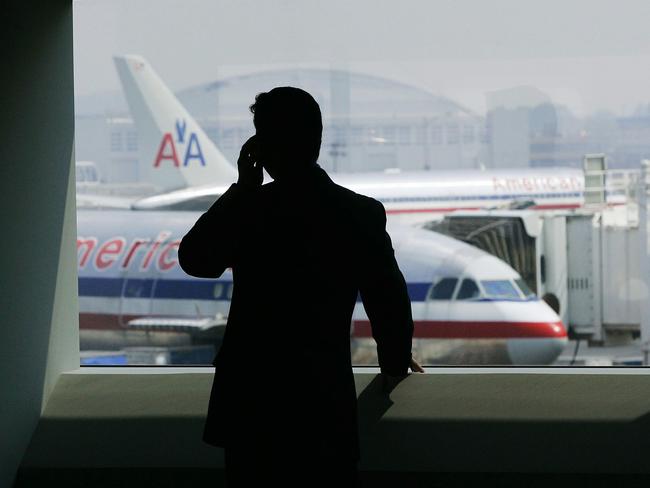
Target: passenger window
444, 289
229, 291
468, 290
218, 290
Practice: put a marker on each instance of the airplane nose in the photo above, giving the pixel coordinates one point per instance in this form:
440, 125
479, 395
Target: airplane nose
544, 349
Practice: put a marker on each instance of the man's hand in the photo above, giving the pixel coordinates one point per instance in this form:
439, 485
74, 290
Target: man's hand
250, 169
390, 382
415, 366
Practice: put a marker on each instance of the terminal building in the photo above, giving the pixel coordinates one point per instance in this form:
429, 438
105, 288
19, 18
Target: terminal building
370, 123
374, 124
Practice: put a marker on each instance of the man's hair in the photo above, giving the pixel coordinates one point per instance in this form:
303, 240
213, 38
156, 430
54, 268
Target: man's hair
292, 116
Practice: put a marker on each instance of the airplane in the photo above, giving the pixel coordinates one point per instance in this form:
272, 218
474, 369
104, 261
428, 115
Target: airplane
469, 307
156, 299
191, 172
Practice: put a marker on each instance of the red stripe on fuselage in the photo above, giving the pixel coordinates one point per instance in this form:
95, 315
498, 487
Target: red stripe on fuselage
554, 206
424, 329
452, 329
104, 321
427, 210
559, 206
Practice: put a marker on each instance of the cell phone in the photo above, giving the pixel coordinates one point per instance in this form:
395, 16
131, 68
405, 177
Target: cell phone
254, 149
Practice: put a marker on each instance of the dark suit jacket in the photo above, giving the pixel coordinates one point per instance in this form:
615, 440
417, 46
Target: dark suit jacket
301, 252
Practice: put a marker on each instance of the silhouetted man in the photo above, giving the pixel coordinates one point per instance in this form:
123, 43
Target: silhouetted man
301, 249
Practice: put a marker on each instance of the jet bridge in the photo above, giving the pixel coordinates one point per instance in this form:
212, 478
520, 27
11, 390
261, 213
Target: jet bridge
585, 261
527, 241
505, 235
578, 262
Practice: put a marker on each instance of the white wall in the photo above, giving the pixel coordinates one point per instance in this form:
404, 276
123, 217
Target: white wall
38, 311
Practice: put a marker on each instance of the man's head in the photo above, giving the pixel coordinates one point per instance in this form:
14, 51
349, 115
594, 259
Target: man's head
289, 128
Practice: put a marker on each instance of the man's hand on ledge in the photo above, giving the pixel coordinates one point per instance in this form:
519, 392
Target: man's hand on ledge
390, 381
415, 366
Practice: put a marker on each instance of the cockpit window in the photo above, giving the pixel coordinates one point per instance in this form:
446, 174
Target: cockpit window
500, 289
468, 290
444, 289
527, 292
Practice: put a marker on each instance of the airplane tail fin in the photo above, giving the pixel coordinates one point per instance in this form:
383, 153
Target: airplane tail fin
174, 151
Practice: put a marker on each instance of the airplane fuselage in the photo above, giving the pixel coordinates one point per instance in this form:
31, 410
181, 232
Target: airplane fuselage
128, 270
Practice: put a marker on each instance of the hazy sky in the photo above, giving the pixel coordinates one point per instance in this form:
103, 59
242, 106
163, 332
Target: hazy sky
587, 54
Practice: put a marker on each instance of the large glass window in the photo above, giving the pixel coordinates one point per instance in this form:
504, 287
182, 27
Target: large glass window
436, 134
470, 121
453, 132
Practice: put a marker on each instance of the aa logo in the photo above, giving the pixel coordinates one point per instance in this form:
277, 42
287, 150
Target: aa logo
167, 149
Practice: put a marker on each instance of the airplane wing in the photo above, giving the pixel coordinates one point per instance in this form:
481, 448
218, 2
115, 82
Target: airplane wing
212, 326
94, 201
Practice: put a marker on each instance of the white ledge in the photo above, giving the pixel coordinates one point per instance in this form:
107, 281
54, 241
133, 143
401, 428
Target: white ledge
461, 370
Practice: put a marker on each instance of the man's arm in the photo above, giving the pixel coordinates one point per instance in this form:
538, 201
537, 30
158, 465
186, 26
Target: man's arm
385, 297
208, 249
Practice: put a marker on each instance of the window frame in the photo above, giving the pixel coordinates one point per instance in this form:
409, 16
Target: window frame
456, 290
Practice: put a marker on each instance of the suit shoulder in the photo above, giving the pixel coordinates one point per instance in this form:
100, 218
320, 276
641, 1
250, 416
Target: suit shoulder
360, 201
360, 208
